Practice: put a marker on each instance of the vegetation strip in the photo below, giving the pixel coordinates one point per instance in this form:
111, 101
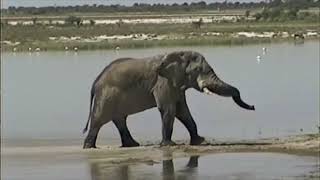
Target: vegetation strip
142, 25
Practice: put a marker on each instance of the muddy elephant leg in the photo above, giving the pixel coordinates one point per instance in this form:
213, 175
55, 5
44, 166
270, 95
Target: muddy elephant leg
90, 141
166, 102
101, 114
167, 115
126, 138
184, 115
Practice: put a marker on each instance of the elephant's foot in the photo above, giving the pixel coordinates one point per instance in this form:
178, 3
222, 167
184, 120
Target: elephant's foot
132, 143
196, 140
88, 146
167, 143
89, 143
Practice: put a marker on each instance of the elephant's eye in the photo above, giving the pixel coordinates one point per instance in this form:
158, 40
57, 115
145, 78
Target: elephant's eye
195, 59
207, 70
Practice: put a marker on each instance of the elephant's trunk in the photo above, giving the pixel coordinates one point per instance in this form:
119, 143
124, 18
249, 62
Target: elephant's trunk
217, 86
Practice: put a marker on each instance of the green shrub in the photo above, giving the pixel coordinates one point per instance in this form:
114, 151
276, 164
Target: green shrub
73, 20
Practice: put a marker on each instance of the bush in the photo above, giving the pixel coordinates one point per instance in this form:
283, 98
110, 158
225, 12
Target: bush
293, 12
274, 13
258, 16
71, 20
282, 14
92, 22
34, 20
247, 13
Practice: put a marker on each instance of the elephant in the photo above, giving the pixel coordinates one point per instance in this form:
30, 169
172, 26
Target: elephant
128, 85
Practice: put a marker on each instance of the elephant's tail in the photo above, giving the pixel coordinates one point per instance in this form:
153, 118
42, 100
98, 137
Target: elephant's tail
90, 111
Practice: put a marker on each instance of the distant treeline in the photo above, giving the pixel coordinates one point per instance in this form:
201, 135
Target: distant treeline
142, 7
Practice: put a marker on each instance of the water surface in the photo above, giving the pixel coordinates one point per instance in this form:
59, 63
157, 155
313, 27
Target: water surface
46, 94
246, 166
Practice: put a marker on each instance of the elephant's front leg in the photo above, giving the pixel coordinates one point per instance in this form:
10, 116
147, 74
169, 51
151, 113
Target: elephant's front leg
184, 115
167, 115
126, 138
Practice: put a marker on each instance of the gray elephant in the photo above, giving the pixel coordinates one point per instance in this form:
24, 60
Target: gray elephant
128, 86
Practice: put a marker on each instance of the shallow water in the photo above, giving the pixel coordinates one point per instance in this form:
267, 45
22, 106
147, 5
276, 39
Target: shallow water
46, 95
215, 166
226, 166
46, 101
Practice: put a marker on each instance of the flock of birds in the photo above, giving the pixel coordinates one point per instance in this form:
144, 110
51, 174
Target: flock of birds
66, 48
117, 48
38, 49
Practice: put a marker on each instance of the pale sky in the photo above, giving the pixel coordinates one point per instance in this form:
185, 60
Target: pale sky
39, 3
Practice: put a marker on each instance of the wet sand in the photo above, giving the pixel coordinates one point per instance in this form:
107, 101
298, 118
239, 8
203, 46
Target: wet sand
307, 144
151, 160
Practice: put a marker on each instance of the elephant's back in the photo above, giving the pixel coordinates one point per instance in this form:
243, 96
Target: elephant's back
125, 73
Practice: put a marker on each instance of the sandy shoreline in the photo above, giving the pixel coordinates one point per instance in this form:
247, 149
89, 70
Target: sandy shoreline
302, 144
294, 157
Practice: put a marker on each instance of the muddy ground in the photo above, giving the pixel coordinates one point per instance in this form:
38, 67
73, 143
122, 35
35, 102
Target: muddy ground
108, 160
308, 144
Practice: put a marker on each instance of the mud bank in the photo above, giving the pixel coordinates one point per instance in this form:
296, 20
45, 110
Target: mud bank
256, 159
308, 144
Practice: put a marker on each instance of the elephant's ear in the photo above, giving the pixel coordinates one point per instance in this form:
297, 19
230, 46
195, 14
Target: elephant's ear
173, 68
168, 59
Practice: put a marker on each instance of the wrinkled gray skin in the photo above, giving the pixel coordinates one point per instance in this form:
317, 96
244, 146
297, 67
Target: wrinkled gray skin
128, 86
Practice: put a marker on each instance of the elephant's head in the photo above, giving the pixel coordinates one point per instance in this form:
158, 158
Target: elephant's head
188, 69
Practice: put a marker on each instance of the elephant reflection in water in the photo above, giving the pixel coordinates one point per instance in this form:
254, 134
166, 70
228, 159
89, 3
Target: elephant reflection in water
125, 172
168, 172
99, 172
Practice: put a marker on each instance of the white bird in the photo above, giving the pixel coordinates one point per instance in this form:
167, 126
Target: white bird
29, 49
75, 48
264, 50
258, 58
14, 49
117, 48
66, 48
37, 49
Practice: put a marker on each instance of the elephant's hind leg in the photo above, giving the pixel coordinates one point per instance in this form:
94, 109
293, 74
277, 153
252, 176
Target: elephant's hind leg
126, 138
90, 141
101, 114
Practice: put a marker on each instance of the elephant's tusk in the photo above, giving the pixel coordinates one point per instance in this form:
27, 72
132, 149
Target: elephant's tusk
207, 91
